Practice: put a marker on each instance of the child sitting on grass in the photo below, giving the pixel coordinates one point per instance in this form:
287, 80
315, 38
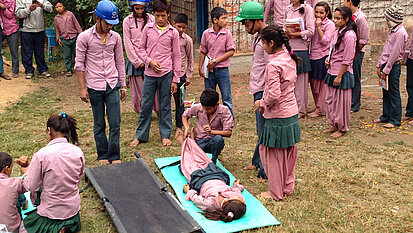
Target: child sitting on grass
214, 121
10, 189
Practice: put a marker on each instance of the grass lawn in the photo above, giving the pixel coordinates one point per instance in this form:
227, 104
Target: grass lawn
361, 182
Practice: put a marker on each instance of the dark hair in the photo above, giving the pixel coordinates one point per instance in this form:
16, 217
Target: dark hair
144, 16
327, 8
301, 10
58, 1
217, 12
236, 207
181, 18
209, 97
64, 124
351, 25
356, 3
276, 33
161, 6
5, 160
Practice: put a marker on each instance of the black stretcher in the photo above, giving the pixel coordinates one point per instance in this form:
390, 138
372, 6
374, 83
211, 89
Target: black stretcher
137, 201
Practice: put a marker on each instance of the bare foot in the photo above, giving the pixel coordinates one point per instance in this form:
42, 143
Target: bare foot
313, 115
261, 180
406, 118
116, 161
134, 143
388, 126
410, 123
104, 161
330, 130
337, 134
377, 121
179, 136
266, 195
312, 110
250, 167
166, 142
301, 116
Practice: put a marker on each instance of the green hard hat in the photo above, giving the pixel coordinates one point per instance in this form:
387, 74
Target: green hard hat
250, 10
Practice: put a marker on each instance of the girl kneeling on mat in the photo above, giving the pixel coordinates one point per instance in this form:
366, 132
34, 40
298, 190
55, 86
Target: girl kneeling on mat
56, 169
208, 186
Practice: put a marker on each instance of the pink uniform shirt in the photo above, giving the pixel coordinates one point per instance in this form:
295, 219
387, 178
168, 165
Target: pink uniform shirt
187, 55
132, 37
411, 47
220, 120
277, 6
217, 44
259, 62
394, 48
68, 28
344, 55
312, 3
58, 169
301, 44
163, 48
10, 188
102, 63
320, 48
208, 198
8, 17
362, 27
278, 99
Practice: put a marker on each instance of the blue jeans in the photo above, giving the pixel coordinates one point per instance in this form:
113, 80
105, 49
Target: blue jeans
409, 88
33, 42
179, 105
110, 98
356, 92
260, 120
221, 77
13, 43
392, 104
212, 145
150, 85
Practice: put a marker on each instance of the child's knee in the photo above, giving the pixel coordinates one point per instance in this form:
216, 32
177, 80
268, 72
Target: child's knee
218, 141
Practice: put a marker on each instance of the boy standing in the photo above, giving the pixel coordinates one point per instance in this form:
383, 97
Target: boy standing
218, 46
67, 29
363, 39
251, 16
100, 63
409, 85
214, 121
32, 34
187, 50
10, 32
389, 67
159, 50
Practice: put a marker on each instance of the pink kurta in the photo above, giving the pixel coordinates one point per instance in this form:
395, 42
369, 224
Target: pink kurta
321, 48
301, 44
57, 168
194, 158
344, 54
10, 188
216, 45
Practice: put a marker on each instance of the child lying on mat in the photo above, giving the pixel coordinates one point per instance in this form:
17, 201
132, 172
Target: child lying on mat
208, 186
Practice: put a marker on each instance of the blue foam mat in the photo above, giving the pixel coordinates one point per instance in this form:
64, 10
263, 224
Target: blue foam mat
256, 216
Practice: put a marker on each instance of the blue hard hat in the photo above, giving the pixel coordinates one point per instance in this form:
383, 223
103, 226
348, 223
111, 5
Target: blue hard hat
108, 11
144, 3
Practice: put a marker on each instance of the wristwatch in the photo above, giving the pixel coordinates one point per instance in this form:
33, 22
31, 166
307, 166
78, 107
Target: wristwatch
214, 61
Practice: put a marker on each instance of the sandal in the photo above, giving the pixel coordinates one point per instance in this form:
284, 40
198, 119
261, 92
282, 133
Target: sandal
5, 76
69, 74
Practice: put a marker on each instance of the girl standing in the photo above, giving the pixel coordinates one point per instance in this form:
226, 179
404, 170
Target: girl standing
340, 78
133, 25
320, 44
299, 43
279, 108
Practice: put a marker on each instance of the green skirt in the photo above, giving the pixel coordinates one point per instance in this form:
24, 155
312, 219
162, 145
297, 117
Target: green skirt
36, 223
281, 132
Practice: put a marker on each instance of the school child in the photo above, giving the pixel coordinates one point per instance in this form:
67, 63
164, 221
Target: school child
100, 64
187, 55
389, 67
278, 106
208, 186
2, 74
214, 121
67, 29
159, 49
320, 46
299, 43
10, 189
409, 85
278, 8
218, 46
10, 33
57, 169
133, 26
251, 16
340, 78
363, 38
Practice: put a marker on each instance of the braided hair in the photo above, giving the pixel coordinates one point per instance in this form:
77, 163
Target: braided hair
231, 210
64, 124
276, 33
351, 25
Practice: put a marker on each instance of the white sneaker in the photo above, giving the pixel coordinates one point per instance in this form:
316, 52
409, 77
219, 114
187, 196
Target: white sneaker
29, 76
46, 74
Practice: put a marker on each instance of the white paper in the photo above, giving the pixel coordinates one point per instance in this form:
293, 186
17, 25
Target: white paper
295, 24
205, 66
